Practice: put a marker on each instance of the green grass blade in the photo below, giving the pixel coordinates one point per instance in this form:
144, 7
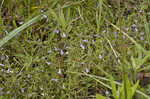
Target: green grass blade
97, 78
114, 90
98, 96
134, 89
19, 29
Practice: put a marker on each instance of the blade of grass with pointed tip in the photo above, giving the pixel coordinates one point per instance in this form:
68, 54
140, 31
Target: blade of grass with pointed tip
98, 96
19, 29
105, 79
114, 90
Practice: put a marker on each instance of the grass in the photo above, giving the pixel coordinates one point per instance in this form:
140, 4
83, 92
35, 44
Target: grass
72, 49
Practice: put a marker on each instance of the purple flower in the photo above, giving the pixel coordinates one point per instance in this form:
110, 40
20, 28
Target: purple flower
100, 56
123, 37
8, 92
100, 41
141, 38
126, 29
2, 57
140, 11
56, 80
59, 71
82, 63
6, 32
45, 16
48, 63
61, 52
1, 89
136, 30
82, 46
56, 31
87, 70
21, 22
84, 40
2, 65
115, 33
55, 48
134, 25
41, 88
28, 76
64, 35
22, 90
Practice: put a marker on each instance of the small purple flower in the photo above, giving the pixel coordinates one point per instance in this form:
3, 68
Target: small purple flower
82, 63
1, 89
2, 57
84, 40
21, 22
2, 65
9, 71
61, 52
136, 30
140, 11
7, 56
59, 71
6, 32
8, 92
100, 56
56, 49
48, 63
56, 31
64, 35
45, 16
56, 80
134, 25
82, 46
115, 33
28, 76
86, 70
123, 37
22, 90
141, 38
126, 29
100, 41
41, 88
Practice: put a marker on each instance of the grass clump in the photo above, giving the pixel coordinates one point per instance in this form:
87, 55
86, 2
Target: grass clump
74, 49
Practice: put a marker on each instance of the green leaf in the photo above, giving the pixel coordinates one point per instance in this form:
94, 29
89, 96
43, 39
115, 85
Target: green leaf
19, 29
134, 89
127, 87
114, 91
98, 96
